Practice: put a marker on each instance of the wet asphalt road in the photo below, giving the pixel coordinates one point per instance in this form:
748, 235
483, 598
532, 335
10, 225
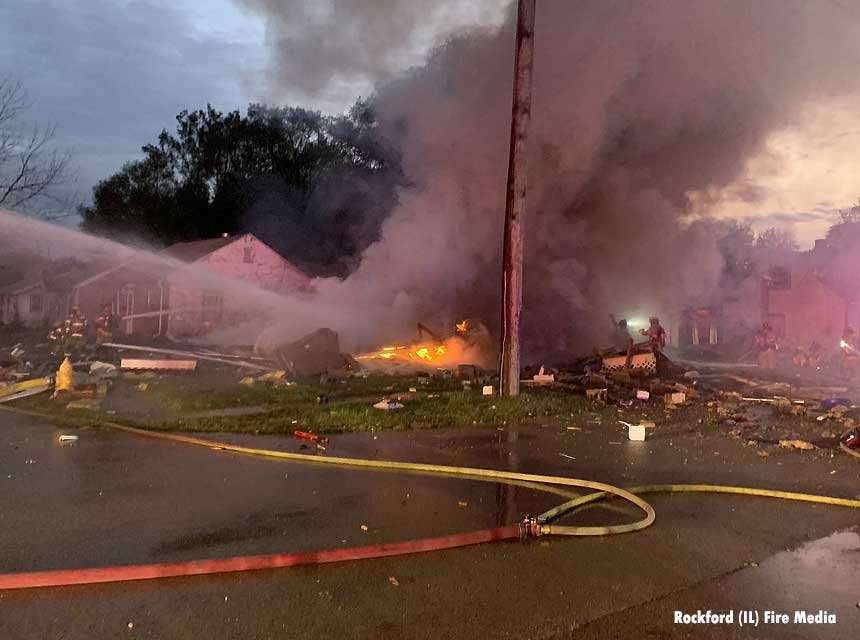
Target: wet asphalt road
118, 499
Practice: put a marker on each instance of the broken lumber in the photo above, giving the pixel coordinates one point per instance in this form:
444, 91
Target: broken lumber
164, 365
188, 354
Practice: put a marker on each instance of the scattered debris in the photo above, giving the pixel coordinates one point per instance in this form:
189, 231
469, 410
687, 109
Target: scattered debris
310, 355
67, 439
189, 354
364, 527
393, 581
796, 444
673, 399
387, 404
102, 371
487, 390
302, 435
24, 389
462, 504
637, 432
543, 377
143, 386
85, 404
564, 455
165, 365
597, 395
642, 394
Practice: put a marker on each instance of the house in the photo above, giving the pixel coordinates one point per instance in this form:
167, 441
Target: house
189, 288
802, 308
30, 303
42, 299
200, 299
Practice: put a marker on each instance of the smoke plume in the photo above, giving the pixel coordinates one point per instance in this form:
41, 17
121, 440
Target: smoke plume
635, 107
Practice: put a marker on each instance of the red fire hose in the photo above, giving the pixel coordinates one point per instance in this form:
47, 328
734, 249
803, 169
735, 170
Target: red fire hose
249, 563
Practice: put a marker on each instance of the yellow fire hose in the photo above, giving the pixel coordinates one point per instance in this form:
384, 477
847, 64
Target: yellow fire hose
540, 525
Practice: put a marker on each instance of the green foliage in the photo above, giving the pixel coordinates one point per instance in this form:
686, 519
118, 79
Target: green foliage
736, 244
315, 187
845, 234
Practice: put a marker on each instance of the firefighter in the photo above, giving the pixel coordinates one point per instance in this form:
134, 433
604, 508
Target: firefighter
850, 356
815, 355
104, 325
766, 346
655, 333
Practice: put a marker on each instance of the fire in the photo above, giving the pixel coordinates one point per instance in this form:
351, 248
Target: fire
462, 327
423, 351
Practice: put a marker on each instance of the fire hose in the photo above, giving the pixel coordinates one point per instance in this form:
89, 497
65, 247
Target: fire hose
532, 527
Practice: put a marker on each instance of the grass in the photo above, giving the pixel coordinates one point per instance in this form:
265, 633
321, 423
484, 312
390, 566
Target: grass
437, 402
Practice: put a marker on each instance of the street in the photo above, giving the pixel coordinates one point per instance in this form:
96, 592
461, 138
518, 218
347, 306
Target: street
112, 498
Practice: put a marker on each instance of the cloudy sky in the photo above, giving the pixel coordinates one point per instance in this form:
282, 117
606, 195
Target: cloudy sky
110, 74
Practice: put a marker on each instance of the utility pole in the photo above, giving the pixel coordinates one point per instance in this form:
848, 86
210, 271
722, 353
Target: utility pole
515, 202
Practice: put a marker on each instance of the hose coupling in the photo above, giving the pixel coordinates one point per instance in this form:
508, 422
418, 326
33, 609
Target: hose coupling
531, 527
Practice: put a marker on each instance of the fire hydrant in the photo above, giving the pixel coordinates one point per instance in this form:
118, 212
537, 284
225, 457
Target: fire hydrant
65, 374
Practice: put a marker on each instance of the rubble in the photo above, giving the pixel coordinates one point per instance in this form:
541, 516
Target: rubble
162, 365
311, 355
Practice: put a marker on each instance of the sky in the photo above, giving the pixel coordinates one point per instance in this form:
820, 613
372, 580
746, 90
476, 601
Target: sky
110, 74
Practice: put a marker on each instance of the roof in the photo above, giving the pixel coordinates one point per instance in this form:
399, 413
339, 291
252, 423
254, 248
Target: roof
21, 286
196, 249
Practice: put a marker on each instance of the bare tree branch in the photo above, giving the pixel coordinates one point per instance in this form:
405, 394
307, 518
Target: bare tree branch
30, 168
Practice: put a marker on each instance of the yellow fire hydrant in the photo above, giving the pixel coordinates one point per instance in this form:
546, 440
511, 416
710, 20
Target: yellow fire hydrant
64, 377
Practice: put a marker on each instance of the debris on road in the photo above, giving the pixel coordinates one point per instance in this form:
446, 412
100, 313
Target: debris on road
302, 435
65, 438
796, 444
637, 432
487, 390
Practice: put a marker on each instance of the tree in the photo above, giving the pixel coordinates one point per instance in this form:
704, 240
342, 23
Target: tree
313, 186
776, 239
735, 243
845, 233
31, 168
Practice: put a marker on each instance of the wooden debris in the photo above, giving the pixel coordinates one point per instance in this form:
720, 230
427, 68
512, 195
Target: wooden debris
164, 365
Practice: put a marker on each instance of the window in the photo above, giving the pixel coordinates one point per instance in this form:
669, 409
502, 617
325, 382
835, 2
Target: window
248, 258
35, 303
213, 307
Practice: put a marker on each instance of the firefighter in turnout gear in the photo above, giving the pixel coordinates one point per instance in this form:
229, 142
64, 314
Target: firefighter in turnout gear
850, 355
655, 333
766, 347
104, 325
71, 335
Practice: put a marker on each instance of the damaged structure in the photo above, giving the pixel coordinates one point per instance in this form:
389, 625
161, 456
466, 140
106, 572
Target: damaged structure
161, 298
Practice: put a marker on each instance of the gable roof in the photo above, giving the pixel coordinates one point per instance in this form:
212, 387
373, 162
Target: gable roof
196, 249
21, 286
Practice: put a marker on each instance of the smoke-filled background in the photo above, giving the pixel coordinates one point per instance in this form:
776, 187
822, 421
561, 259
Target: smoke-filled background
636, 107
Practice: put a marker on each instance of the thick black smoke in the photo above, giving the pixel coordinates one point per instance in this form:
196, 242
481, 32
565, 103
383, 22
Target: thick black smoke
635, 106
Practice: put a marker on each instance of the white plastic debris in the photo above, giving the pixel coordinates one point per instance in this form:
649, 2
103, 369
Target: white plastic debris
487, 390
66, 438
387, 404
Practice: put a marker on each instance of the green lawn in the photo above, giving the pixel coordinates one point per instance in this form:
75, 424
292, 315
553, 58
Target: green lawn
167, 401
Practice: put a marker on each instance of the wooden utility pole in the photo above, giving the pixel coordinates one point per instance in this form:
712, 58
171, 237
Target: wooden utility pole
515, 204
